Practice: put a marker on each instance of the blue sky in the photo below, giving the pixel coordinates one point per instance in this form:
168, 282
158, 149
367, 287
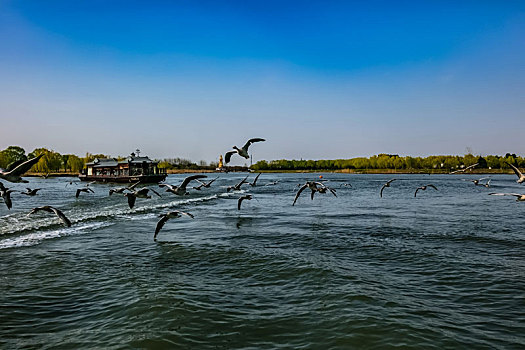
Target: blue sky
316, 79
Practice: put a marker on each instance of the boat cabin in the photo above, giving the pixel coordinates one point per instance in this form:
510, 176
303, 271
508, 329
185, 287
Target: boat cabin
132, 169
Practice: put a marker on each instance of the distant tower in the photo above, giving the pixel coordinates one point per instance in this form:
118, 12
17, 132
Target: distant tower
137, 151
220, 161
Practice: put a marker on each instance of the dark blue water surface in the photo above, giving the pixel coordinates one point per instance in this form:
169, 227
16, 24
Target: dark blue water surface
443, 270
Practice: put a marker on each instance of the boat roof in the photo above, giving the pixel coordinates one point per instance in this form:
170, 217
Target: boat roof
112, 162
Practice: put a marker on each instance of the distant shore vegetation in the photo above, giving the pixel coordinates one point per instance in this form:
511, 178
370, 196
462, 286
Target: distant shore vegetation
393, 162
54, 162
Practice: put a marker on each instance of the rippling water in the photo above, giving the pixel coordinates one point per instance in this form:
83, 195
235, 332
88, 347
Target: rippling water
443, 270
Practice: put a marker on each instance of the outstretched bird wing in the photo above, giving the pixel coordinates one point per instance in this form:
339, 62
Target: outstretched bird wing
6, 195
434, 187
242, 181
190, 178
255, 180
516, 170
187, 214
250, 141
241, 199
171, 187
78, 192
14, 164
416, 191
131, 201
131, 187
506, 194
228, 155
299, 192
152, 190
212, 181
160, 225
382, 188
61, 216
22, 168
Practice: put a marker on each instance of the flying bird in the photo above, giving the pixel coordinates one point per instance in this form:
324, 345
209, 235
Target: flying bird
423, 188
254, 183
243, 152
487, 185
248, 197
237, 187
519, 197
476, 182
166, 217
324, 188
204, 184
122, 189
5, 193
464, 169
16, 170
521, 177
83, 189
181, 189
385, 185
51, 209
31, 192
142, 193
313, 186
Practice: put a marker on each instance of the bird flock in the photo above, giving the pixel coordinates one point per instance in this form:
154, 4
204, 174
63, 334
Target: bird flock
132, 191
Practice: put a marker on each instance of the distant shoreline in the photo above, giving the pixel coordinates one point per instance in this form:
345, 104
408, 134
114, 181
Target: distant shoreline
344, 171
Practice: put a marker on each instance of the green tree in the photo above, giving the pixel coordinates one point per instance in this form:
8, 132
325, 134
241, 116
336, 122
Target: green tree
12, 154
74, 163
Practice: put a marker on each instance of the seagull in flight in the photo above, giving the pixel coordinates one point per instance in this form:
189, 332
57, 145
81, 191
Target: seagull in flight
51, 209
519, 197
122, 189
17, 169
5, 193
385, 185
423, 188
313, 186
142, 193
464, 169
243, 152
237, 187
204, 184
248, 197
521, 177
254, 183
487, 185
83, 189
476, 182
166, 217
181, 189
31, 192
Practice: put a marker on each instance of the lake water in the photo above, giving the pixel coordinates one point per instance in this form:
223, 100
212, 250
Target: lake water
443, 270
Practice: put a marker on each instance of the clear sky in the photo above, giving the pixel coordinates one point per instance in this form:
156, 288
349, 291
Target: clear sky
317, 79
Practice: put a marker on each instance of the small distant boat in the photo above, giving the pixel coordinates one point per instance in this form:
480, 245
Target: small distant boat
133, 169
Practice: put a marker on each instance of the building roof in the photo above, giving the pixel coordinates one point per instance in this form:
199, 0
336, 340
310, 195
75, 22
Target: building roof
112, 162
135, 159
102, 162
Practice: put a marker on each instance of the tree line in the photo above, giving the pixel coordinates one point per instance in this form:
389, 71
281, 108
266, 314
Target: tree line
55, 162
51, 161
444, 163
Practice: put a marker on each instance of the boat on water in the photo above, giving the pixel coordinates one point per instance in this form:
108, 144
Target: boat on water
132, 169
